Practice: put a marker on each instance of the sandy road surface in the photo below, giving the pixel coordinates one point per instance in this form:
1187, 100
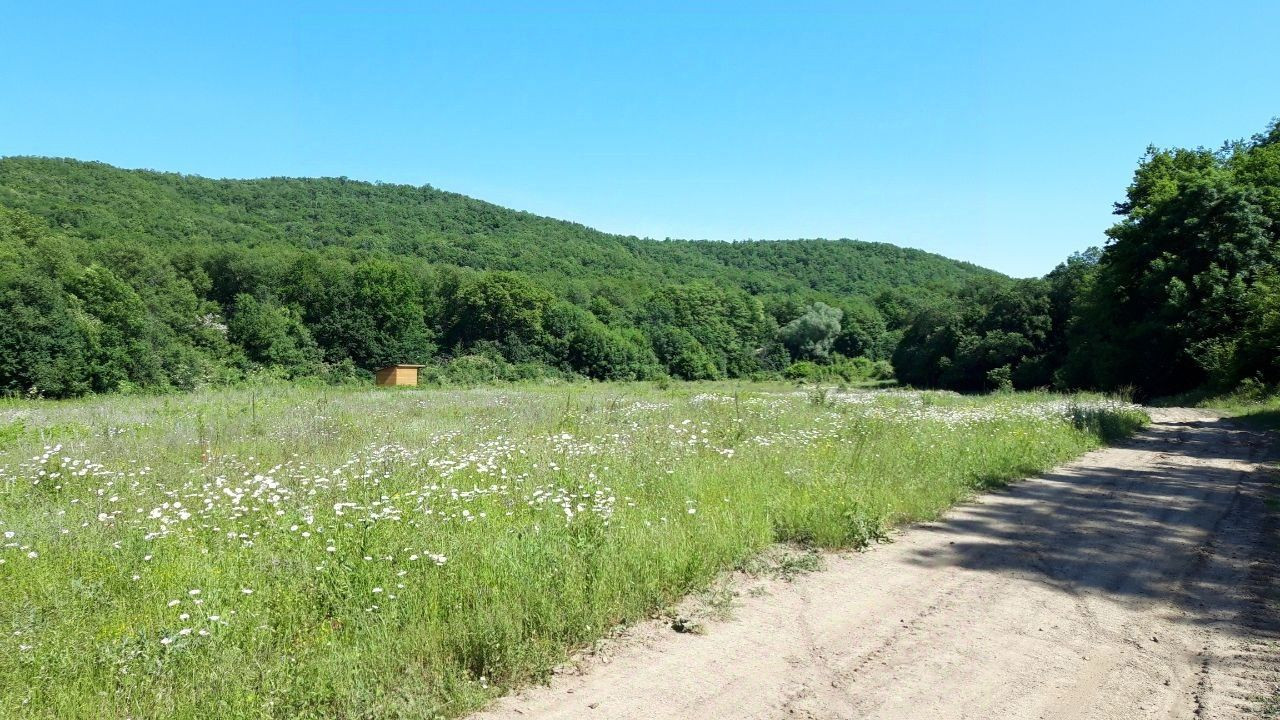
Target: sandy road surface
1132, 583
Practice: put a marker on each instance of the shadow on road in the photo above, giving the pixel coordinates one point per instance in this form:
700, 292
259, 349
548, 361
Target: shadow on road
1176, 515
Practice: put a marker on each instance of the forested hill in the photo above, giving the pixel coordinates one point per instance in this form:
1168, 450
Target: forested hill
121, 279
95, 200
116, 279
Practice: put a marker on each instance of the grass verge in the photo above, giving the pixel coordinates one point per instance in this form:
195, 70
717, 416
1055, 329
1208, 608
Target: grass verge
1253, 404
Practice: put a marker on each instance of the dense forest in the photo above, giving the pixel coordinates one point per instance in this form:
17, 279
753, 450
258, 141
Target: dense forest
1185, 296
127, 280
116, 279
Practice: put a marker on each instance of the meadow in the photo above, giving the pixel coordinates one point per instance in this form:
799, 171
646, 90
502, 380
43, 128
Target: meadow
357, 553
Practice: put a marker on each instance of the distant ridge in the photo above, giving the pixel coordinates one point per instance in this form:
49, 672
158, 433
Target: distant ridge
95, 200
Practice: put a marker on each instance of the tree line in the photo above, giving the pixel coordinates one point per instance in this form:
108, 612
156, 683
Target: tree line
116, 280
1185, 296
101, 316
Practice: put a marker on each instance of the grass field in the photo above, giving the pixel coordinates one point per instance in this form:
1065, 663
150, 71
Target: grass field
292, 552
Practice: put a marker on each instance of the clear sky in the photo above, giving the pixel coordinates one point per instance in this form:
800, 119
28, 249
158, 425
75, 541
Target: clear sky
999, 133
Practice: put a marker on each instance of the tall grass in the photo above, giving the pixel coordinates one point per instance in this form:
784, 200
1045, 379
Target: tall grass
287, 552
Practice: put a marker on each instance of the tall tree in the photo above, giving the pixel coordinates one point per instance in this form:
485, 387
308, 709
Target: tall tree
810, 336
1171, 293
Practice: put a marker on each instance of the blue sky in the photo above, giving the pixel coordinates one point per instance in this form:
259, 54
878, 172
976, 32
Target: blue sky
999, 133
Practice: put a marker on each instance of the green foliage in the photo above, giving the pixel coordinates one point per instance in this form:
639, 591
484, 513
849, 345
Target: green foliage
130, 280
811, 335
864, 332
773, 357
803, 370
44, 345
122, 337
272, 335
475, 369
990, 326
706, 332
682, 354
1181, 292
69, 328
841, 369
1183, 297
1257, 354
1001, 378
499, 307
583, 344
118, 279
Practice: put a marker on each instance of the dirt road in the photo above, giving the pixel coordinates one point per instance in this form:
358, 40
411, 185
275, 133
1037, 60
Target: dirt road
1132, 583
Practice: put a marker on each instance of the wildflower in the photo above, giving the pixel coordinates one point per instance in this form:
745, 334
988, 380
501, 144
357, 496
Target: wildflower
246, 591
174, 603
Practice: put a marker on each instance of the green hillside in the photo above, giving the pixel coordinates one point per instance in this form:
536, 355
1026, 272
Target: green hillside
309, 275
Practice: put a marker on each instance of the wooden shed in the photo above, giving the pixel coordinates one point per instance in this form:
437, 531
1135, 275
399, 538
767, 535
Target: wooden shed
398, 375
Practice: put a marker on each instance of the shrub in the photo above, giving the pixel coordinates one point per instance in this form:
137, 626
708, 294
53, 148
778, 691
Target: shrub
1000, 379
803, 370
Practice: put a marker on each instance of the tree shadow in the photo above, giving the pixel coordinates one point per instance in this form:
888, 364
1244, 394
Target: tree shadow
1179, 523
